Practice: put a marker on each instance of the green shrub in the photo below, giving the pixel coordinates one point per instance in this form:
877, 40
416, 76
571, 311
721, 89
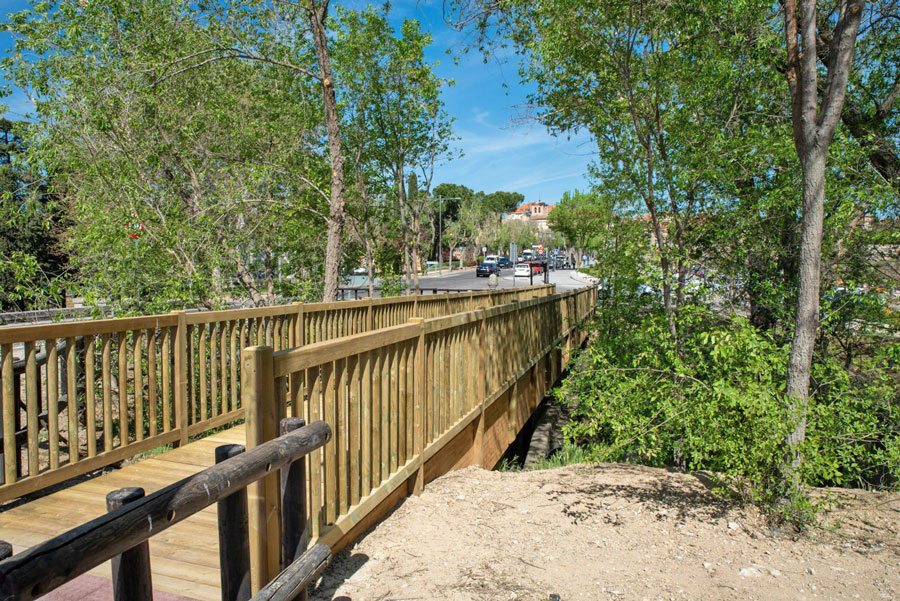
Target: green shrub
715, 401
391, 284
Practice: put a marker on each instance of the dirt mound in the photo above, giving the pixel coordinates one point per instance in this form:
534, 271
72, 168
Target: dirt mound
612, 531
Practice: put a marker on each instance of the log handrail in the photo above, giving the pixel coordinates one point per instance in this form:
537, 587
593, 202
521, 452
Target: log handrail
52, 563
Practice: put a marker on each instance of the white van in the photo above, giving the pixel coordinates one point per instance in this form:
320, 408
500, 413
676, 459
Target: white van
491, 259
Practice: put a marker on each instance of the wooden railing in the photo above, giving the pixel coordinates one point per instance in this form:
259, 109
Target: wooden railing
122, 535
87, 394
408, 402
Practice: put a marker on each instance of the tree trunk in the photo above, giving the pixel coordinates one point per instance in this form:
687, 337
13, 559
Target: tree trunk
316, 13
813, 127
415, 251
370, 265
807, 319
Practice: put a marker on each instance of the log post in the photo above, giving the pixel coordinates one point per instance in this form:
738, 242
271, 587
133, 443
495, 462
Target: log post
6, 550
294, 528
294, 532
234, 544
262, 413
130, 569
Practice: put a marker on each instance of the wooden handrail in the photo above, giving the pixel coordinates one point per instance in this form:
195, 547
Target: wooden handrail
52, 563
291, 583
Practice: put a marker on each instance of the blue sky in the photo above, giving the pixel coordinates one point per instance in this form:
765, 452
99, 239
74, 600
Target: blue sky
501, 149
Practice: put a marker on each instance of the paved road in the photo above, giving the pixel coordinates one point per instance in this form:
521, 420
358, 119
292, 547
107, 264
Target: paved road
466, 280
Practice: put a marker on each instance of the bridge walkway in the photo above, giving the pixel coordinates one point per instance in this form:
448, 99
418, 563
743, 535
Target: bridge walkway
184, 558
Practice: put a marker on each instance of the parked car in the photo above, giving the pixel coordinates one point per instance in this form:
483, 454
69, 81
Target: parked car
504, 263
523, 270
486, 269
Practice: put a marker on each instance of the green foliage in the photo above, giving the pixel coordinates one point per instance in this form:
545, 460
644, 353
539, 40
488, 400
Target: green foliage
32, 262
569, 454
391, 283
214, 160
713, 400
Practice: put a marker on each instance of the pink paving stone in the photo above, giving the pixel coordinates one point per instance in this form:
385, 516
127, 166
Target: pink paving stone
93, 588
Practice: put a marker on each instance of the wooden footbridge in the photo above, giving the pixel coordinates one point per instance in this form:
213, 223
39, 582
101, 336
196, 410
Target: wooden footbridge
410, 388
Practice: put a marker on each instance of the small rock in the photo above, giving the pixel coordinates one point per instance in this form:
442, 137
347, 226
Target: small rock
810, 571
749, 572
553, 597
733, 525
774, 572
707, 565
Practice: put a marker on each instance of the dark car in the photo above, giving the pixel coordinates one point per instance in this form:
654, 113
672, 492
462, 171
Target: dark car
504, 263
486, 269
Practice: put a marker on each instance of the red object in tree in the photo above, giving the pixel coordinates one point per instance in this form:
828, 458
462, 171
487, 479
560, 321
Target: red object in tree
135, 229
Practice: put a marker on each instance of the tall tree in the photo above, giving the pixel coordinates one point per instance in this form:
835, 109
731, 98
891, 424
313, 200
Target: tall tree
178, 185
398, 95
817, 98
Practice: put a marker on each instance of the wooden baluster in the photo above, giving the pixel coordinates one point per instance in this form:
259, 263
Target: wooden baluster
192, 375
386, 385
401, 401
137, 338
152, 397
106, 385
314, 407
9, 408
203, 371
354, 428
122, 341
166, 359
342, 429
215, 333
234, 359
72, 398
223, 361
331, 449
419, 422
377, 359
53, 401
32, 407
365, 399
394, 351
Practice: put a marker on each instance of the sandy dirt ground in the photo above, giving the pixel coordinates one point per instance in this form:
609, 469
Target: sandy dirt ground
612, 531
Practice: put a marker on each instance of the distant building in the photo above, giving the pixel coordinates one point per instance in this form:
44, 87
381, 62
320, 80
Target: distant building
536, 212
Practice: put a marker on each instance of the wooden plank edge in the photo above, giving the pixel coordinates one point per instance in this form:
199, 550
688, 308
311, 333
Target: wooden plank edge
294, 360
215, 422
71, 470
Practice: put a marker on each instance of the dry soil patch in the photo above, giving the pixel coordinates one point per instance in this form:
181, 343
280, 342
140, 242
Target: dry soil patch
611, 531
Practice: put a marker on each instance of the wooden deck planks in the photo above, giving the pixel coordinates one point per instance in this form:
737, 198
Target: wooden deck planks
184, 558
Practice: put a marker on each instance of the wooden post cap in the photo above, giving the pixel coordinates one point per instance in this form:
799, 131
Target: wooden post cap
123, 496
289, 424
227, 451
